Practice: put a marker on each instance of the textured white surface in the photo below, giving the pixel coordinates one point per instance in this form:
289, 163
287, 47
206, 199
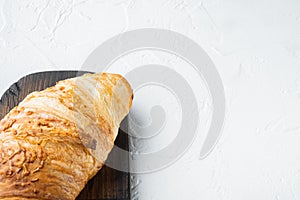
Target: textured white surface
255, 45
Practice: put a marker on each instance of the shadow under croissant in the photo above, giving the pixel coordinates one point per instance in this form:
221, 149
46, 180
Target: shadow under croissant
108, 184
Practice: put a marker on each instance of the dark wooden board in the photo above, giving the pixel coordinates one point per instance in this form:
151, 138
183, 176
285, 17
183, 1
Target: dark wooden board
108, 184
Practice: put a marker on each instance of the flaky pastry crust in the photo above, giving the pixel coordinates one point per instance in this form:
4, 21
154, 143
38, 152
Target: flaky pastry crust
57, 139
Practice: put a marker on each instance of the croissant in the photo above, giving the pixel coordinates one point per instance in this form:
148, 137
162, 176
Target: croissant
57, 139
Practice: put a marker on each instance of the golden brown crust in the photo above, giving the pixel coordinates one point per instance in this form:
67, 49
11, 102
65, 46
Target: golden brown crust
57, 139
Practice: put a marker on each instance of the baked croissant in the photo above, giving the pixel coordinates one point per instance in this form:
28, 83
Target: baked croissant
57, 139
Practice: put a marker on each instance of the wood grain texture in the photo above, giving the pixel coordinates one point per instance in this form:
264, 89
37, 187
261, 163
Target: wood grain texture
108, 184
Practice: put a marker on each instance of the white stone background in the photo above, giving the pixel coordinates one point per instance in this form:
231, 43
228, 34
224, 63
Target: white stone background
255, 46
